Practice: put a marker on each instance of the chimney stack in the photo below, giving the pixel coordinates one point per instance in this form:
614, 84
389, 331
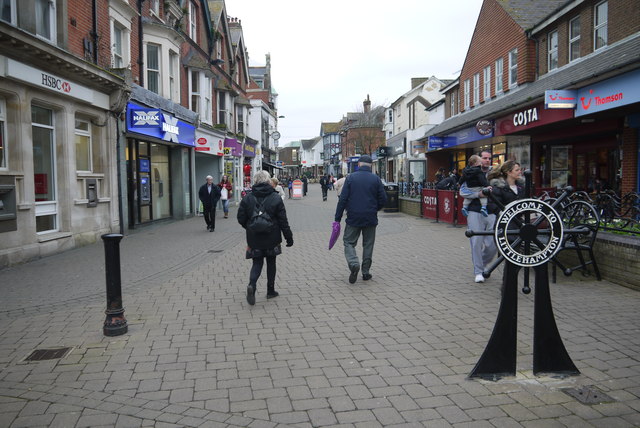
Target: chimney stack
367, 105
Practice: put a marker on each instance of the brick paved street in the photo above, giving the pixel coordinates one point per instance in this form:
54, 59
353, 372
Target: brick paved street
393, 351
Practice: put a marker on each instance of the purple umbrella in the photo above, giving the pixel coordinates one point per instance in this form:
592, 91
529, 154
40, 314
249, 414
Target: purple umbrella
335, 233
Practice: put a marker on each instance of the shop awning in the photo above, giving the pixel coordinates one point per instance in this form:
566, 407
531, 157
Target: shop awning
271, 165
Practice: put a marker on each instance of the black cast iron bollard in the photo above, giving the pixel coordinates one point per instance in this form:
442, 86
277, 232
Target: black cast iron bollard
115, 324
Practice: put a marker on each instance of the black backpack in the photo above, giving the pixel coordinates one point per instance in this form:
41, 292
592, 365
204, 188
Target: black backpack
260, 221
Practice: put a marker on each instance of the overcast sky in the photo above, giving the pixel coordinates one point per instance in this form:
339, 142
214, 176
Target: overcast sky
326, 56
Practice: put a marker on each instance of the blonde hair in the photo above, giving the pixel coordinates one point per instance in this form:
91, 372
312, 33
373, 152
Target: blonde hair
474, 160
274, 181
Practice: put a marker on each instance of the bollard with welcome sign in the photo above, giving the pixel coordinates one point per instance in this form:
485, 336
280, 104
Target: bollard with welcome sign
430, 203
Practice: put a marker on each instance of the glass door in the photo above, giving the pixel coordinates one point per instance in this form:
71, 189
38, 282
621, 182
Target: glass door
44, 169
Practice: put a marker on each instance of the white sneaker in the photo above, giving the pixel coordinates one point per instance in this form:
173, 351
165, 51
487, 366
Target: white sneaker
479, 278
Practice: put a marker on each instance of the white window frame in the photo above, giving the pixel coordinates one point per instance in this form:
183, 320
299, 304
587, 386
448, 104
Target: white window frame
597, 27
153, 70
476, 89
223, 113
44, 208
117, 56
174, 81
206, 116
513, 68
195, 103
574, 39
453, 103
83, 133
486, 84
467, 95
121, 16
154, 7
552, 50
499, 75
52, 19
193, 22
4, 163
240, 120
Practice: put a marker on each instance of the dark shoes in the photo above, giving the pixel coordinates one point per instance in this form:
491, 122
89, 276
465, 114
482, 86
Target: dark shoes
272, 293
210, 229
366, 276
354, 274
251, 294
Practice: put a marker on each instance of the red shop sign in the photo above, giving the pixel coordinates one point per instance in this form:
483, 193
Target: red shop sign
430, 203
446, 206
530, 117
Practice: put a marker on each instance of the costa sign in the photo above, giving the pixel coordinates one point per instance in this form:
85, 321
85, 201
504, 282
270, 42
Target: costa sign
530, 117
525, 117
510, 232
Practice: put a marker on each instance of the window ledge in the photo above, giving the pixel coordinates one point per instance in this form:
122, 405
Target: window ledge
86, 201
25, 207
88, 174
46, 237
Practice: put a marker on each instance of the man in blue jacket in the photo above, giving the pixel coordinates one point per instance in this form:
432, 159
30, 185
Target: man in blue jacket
362, 196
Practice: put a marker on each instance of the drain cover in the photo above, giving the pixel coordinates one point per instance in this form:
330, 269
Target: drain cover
588, 395
47, 354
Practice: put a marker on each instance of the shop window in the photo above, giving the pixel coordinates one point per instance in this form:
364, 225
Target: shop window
552, 51
600, 36
476, 89
498, 154
44, 169
34, 16
3, 140
499, 71
513, 68
486, 83
459, 160
83, 146
574, 39
153, 68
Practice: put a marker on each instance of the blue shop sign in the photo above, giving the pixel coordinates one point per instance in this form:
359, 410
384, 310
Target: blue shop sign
467, 135
615, 92
144, 165
157, 124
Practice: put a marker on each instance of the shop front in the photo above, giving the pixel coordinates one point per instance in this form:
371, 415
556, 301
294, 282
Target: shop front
232, 169
158, 157
396, 149
209, 152
249, 161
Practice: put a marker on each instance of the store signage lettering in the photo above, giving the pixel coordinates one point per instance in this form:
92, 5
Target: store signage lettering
55, 83
560, 99
484, 127
615, 92
523, 118
430, 200
157, 124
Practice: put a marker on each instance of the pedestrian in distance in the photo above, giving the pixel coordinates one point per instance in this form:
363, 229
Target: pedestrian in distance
324, 185
226, 192
475, 180
209, 195
305, 185
483, 247
439, 175
340, 184
290, 186
263, 215
362, 197
276, 185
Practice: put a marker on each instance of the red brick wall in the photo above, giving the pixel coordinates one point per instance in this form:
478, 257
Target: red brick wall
629, 160
80, 25
494, 36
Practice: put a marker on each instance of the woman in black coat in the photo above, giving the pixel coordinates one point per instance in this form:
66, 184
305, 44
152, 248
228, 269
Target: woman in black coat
507, 184
261, 245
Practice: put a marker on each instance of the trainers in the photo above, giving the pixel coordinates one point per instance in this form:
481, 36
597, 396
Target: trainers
479, 278
354, 274
484, 212
251, 295
465, 212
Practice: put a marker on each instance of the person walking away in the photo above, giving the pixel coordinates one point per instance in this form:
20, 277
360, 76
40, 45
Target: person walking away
483, 247
276, 185
226, 192
362, 197
209, 195
264, 217
305, 183
324, 186
476, 180
340, 184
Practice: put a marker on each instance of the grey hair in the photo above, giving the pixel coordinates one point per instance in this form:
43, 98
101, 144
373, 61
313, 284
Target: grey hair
209, 177
261, 177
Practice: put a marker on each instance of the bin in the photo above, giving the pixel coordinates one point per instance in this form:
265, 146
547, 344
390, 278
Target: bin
391, 190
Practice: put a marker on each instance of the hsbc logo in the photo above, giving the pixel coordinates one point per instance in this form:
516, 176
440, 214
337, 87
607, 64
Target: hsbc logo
55, 83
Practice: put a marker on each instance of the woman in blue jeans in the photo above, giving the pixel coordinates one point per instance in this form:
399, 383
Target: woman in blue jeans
226, 192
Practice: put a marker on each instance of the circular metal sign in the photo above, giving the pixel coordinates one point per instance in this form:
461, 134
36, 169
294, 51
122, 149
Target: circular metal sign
275, 135
512, 231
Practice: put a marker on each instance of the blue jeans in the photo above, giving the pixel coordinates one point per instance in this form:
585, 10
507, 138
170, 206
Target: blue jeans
225, 205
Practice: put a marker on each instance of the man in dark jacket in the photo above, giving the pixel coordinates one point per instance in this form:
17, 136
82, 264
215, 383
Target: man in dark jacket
362, 196
209, 195
264, 245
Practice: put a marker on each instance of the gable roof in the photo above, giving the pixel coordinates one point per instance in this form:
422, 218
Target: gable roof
308, 144
527, 13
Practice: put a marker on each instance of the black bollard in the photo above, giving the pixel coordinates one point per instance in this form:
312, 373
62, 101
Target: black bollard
115, 324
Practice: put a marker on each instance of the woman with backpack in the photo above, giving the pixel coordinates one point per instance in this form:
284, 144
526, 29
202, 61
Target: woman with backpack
263, 215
